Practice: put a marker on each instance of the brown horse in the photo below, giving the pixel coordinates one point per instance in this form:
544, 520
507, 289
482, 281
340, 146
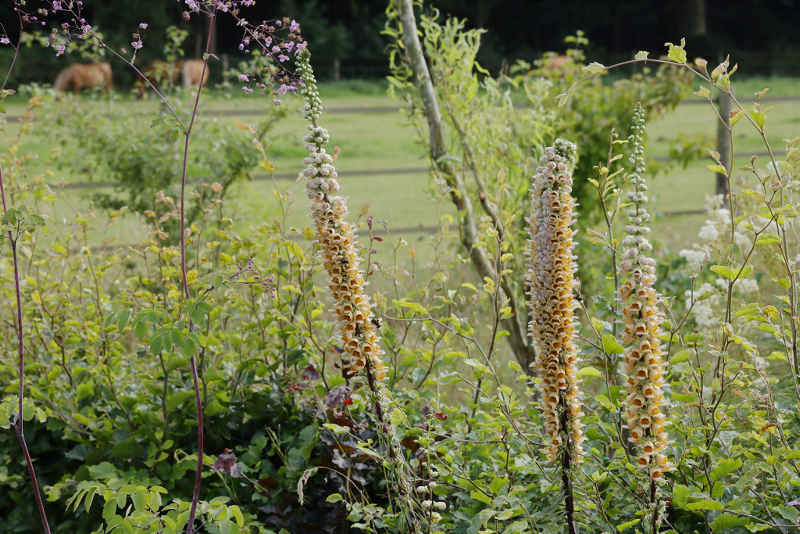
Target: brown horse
161, 73
79, 77
192, 72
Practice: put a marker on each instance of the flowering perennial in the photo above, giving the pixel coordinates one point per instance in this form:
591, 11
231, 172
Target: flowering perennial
644, 369
336, 238
551, 281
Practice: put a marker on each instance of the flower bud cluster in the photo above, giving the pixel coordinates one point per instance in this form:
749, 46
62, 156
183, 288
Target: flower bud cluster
551, 283
312, 110
644, 368
430, 503
336, 238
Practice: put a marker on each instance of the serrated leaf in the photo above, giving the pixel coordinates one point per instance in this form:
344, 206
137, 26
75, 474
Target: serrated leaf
676, 52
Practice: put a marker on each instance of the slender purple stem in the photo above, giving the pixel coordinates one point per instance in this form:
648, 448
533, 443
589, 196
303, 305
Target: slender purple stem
16, 50
192, 361
19, 425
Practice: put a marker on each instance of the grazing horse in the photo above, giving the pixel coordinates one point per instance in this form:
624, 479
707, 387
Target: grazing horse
167, 74
79, 77
192, 71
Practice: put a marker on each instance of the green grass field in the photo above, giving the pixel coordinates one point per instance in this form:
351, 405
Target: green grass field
385, 140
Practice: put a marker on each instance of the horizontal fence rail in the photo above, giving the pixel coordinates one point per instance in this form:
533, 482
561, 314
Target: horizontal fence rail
293, 176
344, 110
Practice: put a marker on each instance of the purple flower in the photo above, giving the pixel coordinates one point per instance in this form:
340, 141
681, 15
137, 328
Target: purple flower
288, 45
244, 77
59, 49
247, 89
143, 25
222, 7
56, 5
276, 102
278, 23
136, 44
4, 40
294, 26
282, 58
276, 49
192, 5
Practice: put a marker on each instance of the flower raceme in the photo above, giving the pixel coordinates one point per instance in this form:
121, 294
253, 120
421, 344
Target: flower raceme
551, 281
336, 238
644, 369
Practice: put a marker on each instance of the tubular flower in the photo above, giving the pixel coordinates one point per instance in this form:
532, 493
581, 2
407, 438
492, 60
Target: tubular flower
336, 239
644, 368
551, 281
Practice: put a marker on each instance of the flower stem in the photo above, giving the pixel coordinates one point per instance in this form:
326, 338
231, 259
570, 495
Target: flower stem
198, 476
19, 425
566, 467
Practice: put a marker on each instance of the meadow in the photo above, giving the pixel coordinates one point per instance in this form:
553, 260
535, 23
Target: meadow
402, 200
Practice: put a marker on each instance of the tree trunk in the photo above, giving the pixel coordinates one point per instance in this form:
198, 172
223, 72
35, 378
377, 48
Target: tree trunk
522, 348
724, 142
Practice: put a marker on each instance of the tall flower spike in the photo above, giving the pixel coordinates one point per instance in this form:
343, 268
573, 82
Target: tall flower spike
644, 368
551, 284
336, 238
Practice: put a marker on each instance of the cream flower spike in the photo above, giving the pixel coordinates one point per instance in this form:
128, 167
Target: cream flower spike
551, 283
336, 238
643, 367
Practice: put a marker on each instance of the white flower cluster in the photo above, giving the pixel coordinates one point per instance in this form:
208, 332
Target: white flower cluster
714, 229
551, 283
336, 238
644, 368
707, 301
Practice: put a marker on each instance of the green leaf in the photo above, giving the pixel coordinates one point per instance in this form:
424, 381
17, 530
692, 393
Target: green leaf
680, 495
676, 52
611, 345
641, 55
726, 521
681, 356
334, 498
725, 468
605, 402
718, 169
629, 524
590, 372
723, 270
767, 239
705, 504
480, 496
595, 68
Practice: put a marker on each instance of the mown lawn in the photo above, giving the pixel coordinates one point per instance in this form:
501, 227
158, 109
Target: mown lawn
385, 140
